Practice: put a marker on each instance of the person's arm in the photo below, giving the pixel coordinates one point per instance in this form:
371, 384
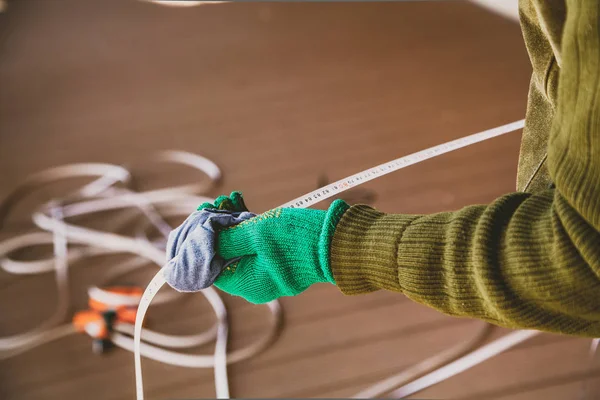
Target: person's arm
526, 260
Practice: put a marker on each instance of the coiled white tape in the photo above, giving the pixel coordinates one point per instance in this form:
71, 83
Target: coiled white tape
306, 201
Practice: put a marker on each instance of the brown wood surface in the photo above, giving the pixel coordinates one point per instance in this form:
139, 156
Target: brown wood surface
278, 95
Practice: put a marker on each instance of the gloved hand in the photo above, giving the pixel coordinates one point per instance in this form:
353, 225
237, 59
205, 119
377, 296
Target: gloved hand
192, 262
283, 251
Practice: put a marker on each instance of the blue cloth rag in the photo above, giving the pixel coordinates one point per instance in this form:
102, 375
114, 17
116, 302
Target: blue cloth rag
193, 263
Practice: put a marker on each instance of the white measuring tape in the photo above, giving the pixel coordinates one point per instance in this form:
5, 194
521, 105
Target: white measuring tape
103, 195
342, 185
319, 195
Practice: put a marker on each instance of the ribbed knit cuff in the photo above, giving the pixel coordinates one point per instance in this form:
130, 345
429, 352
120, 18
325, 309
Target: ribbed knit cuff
364, 250
332, 218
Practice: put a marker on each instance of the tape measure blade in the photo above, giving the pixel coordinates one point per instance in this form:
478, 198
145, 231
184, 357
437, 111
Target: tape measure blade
342, 185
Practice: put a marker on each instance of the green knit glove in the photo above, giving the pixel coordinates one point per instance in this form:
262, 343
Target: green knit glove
282, 252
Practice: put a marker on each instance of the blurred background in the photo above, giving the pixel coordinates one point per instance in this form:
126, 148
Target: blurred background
284, 97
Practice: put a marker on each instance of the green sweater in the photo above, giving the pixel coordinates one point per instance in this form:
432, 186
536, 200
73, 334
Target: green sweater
530, 259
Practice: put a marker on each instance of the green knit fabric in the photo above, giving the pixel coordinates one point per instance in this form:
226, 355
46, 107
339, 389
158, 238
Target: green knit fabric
283, 252
527, 260
233, 202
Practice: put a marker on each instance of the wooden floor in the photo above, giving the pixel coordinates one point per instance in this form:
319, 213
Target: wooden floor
282, 97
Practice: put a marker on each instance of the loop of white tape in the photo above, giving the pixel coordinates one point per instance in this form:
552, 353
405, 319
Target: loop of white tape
321, 194
103, 195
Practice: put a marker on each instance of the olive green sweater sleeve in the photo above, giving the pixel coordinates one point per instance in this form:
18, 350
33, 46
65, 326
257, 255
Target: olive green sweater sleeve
527, 260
